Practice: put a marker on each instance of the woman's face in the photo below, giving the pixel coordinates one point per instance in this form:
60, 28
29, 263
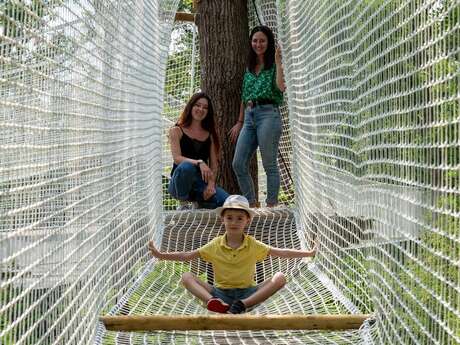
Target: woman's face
200, 109
259, 43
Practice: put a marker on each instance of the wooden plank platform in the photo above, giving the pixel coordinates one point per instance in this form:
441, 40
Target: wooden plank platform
233, 322
184, 17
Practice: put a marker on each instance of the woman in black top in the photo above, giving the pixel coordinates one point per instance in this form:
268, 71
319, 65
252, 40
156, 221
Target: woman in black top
195, 147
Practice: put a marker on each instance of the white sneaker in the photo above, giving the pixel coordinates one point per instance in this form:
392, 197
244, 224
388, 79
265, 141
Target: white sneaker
187, 206
184, 207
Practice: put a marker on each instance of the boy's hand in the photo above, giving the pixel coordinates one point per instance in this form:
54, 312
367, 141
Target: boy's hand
153, 250
315, 248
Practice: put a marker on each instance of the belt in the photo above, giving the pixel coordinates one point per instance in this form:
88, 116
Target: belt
257, 102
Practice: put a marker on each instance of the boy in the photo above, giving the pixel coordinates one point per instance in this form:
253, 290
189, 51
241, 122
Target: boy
233, 256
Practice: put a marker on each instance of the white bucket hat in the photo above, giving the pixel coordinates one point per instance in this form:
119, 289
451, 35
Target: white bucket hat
237, 202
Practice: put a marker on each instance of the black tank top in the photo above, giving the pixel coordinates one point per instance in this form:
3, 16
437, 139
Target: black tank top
193, 148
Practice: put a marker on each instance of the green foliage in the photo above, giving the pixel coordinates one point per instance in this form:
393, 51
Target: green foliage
433, 274
286, 197
166, 276
414, 95
162, 285
185, 6
169, 203
425, 136
10, 292
354, 274
402, 90
183, 70
7, 293
110, 338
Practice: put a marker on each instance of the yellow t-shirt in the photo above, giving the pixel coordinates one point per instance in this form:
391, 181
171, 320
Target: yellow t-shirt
234, 268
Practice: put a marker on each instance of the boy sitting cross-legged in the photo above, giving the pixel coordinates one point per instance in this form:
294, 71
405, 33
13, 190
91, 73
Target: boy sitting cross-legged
233, 257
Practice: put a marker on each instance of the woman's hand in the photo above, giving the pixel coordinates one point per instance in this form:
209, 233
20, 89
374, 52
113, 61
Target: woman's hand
278, 55
206, 172
209, 191
235, 132
279, 70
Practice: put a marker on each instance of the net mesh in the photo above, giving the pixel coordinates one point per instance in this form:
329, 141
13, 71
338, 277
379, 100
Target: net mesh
374, 97
372, 150
80, 125
183, 79
159, 290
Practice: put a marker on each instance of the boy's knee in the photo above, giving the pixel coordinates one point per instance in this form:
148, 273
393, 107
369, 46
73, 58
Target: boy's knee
186, 278
279, 279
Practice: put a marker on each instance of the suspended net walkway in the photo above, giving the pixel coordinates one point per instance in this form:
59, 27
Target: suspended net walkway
370, 163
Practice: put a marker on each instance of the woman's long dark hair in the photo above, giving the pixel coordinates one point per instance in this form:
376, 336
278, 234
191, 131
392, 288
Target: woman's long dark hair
208, 122
269, 56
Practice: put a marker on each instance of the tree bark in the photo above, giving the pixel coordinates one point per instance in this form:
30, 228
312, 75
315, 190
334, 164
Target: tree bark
223, 31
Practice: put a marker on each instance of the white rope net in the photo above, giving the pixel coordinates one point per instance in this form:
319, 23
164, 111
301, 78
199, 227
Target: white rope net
183, 79
80, 122
373, 151
374, 109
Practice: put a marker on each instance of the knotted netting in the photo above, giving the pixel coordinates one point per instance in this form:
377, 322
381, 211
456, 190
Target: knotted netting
80, 120
373, 150
181, 82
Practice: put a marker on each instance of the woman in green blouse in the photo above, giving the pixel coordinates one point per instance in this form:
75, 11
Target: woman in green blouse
259, 121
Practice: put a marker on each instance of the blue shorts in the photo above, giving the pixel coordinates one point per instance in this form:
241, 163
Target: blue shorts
231, 295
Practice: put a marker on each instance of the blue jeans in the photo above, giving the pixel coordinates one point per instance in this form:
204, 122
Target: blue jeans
187, 184
262, 127
231, 295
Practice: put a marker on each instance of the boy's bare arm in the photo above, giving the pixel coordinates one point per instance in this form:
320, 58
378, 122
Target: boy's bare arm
174, 256
292, 253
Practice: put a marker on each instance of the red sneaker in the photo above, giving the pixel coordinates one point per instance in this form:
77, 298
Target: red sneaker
217, 305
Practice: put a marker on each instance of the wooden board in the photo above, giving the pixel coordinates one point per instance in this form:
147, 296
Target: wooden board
233, 322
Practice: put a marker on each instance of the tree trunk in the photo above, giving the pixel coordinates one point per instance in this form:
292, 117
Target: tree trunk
223, 31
